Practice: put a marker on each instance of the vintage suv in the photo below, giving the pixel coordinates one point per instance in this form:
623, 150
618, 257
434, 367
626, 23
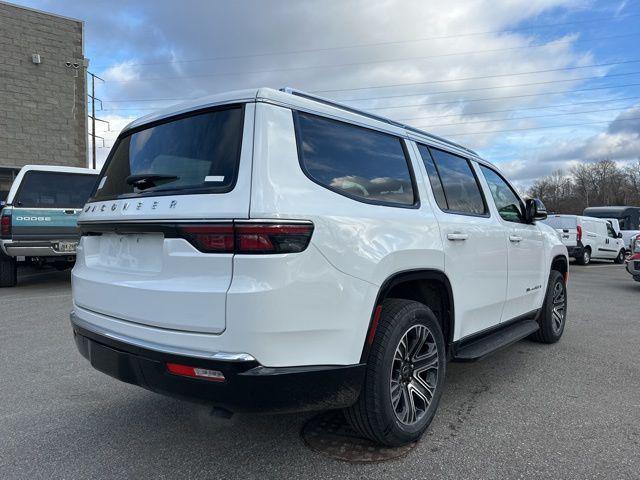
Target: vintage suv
38, 220
272, 250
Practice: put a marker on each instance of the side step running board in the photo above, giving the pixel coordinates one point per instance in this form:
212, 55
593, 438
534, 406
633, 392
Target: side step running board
477, 348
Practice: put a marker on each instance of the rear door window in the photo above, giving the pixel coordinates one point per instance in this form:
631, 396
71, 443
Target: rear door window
357, 162
54, 190
198, 153
453, 181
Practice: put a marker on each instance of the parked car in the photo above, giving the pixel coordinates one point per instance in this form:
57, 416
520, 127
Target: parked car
271, 250
39, 218
587, 238
628, 219
633, 262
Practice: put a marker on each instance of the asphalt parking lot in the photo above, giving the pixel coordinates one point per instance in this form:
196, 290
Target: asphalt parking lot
570, 410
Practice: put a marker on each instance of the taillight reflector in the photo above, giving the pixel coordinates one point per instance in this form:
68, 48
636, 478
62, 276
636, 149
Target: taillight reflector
248, 238
5, 226
579, 233
195, 372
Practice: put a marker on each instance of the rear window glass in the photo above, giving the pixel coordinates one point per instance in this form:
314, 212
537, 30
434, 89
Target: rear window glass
54, 190
364, 164
564, 223
454, 184
195, 154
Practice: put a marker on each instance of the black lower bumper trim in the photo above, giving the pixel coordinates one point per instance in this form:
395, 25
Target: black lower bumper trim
248, 386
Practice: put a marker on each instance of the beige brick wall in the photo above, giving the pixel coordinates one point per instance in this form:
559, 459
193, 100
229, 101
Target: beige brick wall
42, 107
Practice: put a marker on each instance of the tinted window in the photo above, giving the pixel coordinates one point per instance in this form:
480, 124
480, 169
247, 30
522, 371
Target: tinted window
506, 200
195, 154
457, 181
355, 161
434, 178
54, 190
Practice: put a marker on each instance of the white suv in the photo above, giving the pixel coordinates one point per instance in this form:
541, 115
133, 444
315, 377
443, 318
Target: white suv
271, 250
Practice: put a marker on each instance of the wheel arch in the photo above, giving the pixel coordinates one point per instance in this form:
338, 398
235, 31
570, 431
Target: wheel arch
561, 264
429, 286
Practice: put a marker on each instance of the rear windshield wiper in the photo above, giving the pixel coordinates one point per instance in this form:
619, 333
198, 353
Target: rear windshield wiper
148, 180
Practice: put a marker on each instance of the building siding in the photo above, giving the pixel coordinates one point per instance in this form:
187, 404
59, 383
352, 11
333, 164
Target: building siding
42, 107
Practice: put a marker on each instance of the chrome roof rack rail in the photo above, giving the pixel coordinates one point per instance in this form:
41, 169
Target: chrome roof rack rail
332, 103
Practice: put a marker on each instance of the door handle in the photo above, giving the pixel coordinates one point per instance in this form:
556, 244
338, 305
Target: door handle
457, 236
515, 238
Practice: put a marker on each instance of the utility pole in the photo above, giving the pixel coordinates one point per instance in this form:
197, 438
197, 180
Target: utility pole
93, 117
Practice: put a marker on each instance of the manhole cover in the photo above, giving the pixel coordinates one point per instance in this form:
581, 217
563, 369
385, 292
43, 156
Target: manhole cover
330, 434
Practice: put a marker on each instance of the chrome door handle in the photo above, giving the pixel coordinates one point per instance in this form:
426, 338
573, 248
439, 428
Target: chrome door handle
515, 238
457, 237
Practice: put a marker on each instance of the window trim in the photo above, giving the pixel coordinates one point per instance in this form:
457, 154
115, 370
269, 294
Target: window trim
169, 119
513, 190
487, 210
403, 145
28, 173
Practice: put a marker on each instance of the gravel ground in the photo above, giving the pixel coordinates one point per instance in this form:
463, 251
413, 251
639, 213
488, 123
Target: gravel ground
569, 410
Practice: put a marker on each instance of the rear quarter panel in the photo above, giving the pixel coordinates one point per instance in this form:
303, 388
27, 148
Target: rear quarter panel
370, 242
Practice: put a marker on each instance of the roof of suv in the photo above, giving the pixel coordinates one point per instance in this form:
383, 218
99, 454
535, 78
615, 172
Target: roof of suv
304, 101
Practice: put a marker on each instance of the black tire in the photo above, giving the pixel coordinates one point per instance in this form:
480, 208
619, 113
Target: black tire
8, 271
621, 256
551, 328
585, 258
374, 415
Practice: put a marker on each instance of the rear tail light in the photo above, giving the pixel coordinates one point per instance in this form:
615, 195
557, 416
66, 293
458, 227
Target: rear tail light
579, 234
248, 238
5, 226
195, 372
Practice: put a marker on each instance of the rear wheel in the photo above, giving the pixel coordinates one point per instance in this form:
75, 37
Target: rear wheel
621, 256
585, 258
405, 375
8, 271
554, 311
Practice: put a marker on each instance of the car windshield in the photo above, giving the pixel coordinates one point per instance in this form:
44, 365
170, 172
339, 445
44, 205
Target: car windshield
54, 190
194, 154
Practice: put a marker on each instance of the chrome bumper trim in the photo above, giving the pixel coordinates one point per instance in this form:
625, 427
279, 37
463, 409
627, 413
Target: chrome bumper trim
221, 356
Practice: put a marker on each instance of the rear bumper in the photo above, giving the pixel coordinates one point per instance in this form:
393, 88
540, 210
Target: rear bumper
248, 386
40, 248
575, 251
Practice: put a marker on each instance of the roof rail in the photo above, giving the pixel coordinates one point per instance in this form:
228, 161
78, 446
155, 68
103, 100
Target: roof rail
332, 103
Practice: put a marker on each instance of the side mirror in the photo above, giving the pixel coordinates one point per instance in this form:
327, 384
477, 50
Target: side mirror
535, 210
619, 235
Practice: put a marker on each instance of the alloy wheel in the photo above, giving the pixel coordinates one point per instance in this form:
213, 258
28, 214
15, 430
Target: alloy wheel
414, 374
559, 307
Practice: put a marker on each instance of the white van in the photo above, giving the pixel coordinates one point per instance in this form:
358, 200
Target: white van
588, 237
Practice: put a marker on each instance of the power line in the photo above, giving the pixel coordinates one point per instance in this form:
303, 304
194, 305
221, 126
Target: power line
477, 89
571, 104
371, 62
459, 114
379, 44
483, 77
540, 128
524, 95
522, 118
426, 93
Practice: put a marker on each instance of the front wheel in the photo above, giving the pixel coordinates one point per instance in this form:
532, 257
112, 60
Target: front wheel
554, 311
621, 256
404, 378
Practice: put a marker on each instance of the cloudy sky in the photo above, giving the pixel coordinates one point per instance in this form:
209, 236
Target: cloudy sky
533, 85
